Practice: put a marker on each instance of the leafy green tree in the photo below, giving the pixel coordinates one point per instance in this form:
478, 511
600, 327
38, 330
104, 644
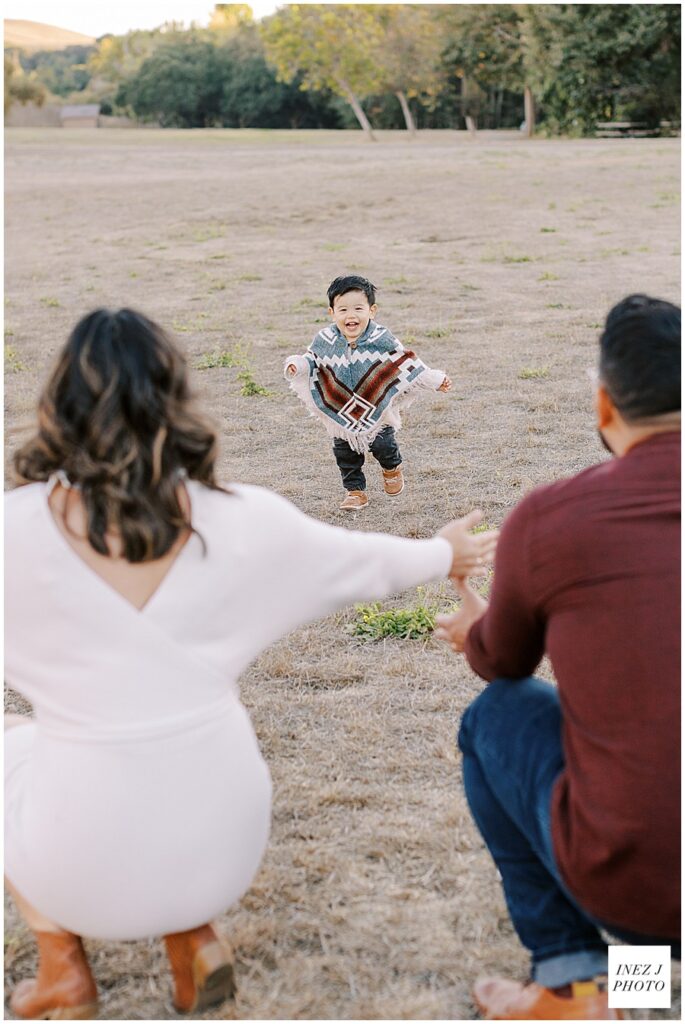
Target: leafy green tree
179, 86
62, 72
252, 96
606, 61
410, 56
20, 87
331, 46
486, 47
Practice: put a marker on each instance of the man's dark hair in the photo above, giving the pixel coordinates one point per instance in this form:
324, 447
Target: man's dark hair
351, 283
639, 360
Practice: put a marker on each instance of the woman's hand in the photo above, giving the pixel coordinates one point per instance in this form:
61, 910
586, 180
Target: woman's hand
446, 384
454, 629
290, 370
470, 552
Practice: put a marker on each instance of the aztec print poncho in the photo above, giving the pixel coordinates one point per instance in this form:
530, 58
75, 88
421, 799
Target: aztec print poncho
357, 389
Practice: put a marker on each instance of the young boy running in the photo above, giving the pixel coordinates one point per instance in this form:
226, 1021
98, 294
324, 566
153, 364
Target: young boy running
356, 377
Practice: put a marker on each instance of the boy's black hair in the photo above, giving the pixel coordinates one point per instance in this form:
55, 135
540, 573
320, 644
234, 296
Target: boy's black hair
351, 283
639, 360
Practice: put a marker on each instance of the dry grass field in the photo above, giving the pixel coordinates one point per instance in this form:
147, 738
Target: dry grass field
497, 259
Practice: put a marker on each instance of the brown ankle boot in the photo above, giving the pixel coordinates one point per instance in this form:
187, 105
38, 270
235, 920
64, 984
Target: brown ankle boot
355, 500
393, 481
202, 965
64, 988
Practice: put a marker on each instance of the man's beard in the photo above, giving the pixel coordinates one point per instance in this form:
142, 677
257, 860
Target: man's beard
603, 440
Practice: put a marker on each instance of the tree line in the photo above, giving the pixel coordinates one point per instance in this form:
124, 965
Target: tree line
558, 67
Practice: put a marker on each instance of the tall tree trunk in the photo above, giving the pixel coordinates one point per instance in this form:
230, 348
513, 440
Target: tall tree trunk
359, 113
469, 118
408, 118
529, 111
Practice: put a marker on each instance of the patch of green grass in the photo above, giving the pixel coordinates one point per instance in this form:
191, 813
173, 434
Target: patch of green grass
206, 234
310, 302
481, 528
372, 622
9, 333
533, 372
250, 387
548, 276
517, 259
548, 231
12, 362
334, 247
50, 301
250, 277
396, 280
438, 332
227, 359
132, 273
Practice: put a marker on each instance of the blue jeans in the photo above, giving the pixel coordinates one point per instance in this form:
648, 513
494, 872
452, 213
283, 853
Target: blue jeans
510, 737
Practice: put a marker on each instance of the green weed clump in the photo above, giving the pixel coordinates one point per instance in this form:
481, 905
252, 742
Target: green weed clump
228, 358
250, 387
372, 622
12, 362
533, 372
50, 301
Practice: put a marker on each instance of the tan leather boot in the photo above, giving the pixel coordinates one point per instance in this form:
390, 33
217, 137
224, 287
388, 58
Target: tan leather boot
393, 481
355, 500
202, 966
64, 988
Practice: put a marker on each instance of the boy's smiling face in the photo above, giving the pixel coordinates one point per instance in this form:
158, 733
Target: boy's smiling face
352, 313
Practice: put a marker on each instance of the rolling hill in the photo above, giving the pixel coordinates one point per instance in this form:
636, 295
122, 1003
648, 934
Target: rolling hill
33, 35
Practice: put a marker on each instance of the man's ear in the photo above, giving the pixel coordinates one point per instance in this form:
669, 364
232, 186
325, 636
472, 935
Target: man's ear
604, 407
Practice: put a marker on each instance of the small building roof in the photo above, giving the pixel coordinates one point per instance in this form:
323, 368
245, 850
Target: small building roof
81, 110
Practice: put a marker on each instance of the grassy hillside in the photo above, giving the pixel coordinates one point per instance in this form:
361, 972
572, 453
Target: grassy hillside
32, 35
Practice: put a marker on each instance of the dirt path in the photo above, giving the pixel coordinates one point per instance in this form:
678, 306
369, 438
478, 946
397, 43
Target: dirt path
497, 259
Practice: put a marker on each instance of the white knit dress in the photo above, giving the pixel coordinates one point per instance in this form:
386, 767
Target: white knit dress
137, 802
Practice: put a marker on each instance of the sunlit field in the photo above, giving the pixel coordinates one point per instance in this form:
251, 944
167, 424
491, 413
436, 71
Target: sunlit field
496, 259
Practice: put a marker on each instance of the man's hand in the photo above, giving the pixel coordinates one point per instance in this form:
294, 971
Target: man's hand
290, 370
446, 384
470, 552
454, 629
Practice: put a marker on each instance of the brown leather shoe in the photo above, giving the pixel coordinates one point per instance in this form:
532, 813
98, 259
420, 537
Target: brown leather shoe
501, 999
202, 966
355, 500
393, 481
64, 988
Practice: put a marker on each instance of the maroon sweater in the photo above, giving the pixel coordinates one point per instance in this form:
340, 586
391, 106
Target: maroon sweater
588, 572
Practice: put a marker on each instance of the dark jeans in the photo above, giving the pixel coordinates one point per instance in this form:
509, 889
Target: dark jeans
510, 737
384, 449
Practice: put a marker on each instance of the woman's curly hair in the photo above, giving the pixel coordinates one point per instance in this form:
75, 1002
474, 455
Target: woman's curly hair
118, 418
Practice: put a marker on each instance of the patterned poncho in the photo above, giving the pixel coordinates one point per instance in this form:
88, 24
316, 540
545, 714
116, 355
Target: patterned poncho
358, 388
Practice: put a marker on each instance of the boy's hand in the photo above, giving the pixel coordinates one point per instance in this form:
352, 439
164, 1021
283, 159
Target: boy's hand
446, 384
290, 370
